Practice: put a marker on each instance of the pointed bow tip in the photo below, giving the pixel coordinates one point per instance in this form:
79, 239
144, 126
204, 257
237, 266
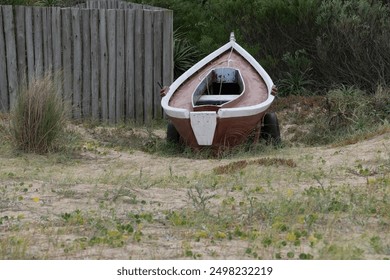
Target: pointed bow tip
232, 38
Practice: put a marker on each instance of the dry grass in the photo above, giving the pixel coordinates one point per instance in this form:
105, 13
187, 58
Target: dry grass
101, 201
239, 165
38, 118
123, 193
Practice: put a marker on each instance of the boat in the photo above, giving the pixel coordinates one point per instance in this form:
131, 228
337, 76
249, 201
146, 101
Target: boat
220, 100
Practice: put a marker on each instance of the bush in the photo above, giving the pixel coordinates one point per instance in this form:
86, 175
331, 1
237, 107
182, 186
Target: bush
297, 78
349, 112
38, 118
352, 44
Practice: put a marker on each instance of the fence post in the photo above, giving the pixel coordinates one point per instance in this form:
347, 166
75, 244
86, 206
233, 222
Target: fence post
139, 66
95, 63
103, 63
86, 56
3, 65
10, 48
130, 62
30, 45
157, 58
167, 48
120, 65
77, 63
148, 68
111, 43
21, 42
38, 43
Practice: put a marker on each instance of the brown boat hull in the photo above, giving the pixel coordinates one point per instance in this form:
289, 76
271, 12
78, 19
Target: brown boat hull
229, 132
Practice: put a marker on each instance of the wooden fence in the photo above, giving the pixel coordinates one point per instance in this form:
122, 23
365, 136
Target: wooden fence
111, 55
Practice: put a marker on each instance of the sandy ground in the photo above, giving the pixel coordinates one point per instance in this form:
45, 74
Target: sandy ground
107, 184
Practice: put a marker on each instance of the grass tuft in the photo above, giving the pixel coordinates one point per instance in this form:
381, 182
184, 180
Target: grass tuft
38, 119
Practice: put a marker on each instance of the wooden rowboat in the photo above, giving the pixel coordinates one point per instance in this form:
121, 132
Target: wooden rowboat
220, 100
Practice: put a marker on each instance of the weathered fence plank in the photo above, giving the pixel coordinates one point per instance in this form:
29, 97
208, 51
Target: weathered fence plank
3, 65
120, 65
56, 45
10, 48
30, 44
130, 74
157, 68
56, 38
67, 54
38, 42
47, 40
94, 64
107, 63
111, 38
86, 42
103, 64
148, 68
21, 41
139, 65
168, 48
77, 63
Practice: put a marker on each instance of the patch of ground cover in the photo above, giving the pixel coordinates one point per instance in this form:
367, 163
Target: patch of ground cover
100, 201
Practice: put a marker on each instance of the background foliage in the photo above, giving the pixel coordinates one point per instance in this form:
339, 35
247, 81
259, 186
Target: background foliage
305, 45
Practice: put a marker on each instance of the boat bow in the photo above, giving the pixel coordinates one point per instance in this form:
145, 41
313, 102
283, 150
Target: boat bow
182, 113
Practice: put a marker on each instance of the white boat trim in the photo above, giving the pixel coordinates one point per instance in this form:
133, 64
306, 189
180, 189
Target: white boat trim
225, 112
203, 125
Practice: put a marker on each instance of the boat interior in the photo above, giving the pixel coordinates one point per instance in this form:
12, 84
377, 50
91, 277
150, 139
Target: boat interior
219, 86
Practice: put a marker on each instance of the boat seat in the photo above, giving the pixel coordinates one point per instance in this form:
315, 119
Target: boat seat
215, 99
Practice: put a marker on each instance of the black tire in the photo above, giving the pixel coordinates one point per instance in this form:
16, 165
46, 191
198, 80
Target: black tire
172, 135
270, 130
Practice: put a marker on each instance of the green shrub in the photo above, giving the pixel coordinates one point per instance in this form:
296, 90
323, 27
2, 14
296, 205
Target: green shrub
297, 78
348, 112
38, 118
352, 44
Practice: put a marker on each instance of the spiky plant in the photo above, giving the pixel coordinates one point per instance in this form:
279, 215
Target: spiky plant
38, 118
185, 55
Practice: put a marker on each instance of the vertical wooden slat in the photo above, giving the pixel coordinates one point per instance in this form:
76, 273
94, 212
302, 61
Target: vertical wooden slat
38, 42
3, 73
103, 63
157, 60
94, 64
21, 41
47, 39
10, 46
77, 63
67, 54
30, 44
168, 47
56, 47
56, 38
130, 112
86, 28
148, 66
120, 65
139, 66
111, 26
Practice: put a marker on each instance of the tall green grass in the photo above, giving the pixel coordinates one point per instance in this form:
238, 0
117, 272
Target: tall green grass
38, 118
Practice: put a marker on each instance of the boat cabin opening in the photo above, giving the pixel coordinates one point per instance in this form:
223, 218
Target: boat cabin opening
219, 86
